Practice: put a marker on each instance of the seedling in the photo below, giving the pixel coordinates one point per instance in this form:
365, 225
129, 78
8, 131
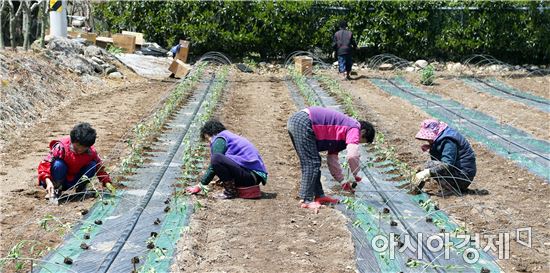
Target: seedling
135, 260
151, 242
439, 222
428, 75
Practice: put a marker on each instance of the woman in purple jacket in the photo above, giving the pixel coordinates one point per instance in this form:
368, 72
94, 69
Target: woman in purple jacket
235, 161
318, 129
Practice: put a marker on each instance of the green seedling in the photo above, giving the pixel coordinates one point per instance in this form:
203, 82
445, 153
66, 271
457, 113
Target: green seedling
427, 75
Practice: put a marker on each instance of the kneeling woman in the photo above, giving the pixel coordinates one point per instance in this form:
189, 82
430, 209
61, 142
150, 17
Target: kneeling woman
235, 161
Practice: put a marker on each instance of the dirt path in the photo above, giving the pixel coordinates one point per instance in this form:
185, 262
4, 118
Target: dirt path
267, 235
112, 112
505, 111
536, 85
517, 198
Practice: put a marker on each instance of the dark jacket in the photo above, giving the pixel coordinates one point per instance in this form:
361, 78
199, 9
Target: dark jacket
343, 42
453, 149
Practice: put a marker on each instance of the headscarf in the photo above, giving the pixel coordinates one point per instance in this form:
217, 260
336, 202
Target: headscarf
430, 129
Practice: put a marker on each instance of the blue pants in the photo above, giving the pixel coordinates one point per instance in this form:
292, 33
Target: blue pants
344, 63
59, 175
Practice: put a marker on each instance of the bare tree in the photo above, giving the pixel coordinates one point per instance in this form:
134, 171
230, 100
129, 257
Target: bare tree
44, 17
2, 5
27, 12
13, 16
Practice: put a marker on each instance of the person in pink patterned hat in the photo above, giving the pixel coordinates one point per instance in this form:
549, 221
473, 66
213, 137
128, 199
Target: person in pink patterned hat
453, 162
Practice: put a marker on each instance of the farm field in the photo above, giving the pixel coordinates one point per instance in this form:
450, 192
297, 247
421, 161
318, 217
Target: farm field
272, 234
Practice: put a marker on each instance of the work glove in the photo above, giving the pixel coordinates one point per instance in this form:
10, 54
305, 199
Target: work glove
350, 185
420, 177
111, 188
195, 189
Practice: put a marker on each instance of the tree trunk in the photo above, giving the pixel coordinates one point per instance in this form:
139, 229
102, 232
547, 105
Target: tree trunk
13, 17
44, 16
26, 24
2, 5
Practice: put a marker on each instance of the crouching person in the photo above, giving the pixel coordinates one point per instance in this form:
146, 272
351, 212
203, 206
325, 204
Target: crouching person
71, 162
235, 161
453, 161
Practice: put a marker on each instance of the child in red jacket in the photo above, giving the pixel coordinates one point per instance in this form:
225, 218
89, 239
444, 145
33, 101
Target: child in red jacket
70, 162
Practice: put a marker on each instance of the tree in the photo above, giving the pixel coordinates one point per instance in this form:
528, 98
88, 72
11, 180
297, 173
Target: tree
27, 12
2, 5
13, 16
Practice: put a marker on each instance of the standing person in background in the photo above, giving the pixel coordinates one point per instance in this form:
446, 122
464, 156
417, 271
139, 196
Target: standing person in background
343, 45
317, 129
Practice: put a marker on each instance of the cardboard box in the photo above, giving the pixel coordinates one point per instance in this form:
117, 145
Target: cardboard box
183, 52
89, 36
179, 68
139, 36
125, 41
304, 65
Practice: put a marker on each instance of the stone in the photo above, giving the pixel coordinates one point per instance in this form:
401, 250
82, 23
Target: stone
455, 67
385, 67
115, 75
110, 69
421, 63
91, 51
98, 60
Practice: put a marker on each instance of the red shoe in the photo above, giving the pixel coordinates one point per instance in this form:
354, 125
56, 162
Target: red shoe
310, 205
326, 199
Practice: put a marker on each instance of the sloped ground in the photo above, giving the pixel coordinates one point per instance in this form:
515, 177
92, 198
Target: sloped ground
272, 234
35, 85
54, 103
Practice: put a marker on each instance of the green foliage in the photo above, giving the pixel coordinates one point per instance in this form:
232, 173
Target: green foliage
427, 75
514, 31
114, 49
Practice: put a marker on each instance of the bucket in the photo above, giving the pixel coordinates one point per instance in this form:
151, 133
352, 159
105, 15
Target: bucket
252, 192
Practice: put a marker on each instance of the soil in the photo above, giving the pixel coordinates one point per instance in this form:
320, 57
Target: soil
516, 198
272, 234
505, 111
536, 85
23, 203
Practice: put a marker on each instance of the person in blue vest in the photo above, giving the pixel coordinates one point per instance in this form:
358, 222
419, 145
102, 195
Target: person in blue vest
453, 161
343, 45
235, 161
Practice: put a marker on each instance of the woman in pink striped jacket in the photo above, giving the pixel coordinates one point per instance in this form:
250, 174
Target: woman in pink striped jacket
318, 129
